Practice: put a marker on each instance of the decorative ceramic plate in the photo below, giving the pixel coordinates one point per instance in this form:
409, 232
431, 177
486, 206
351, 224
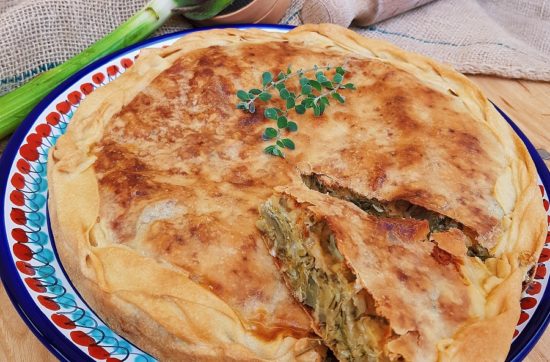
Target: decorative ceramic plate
29, 266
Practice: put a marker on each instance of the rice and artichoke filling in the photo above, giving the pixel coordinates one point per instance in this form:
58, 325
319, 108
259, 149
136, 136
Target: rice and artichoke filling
343, 311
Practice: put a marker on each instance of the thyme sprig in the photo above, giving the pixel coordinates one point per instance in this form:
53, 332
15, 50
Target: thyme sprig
314, 93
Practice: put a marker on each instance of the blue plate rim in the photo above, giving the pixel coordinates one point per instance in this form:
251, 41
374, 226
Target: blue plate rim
53, 339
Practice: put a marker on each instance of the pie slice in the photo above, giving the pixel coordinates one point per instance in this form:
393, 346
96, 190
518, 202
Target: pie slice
382, 285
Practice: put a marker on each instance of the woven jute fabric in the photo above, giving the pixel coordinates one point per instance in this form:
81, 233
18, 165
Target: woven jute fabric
36, 35
510, 38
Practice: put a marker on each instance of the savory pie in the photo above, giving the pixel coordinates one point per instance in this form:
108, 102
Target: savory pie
402, 225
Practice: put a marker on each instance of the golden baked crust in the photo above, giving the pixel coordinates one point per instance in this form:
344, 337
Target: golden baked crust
155, 186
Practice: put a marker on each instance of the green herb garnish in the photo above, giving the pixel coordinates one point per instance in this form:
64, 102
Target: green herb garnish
314, 93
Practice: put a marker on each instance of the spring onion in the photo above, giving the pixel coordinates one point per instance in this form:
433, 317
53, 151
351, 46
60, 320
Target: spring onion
205, 9
16, 105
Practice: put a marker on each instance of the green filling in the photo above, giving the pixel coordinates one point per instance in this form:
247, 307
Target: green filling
392, 209
479, 251
319, 278
396, 209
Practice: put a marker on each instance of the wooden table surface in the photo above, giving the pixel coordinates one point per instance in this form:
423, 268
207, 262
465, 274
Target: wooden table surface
526, 102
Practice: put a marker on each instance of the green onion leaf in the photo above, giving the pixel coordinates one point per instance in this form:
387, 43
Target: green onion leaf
16, 105
205, 9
